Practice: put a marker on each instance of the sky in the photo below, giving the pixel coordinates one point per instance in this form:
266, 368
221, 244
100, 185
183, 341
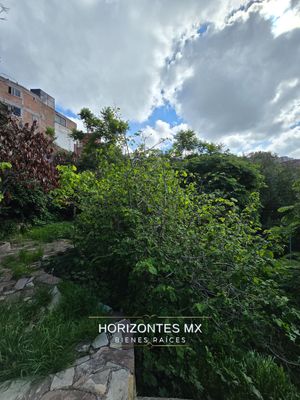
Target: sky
228, 69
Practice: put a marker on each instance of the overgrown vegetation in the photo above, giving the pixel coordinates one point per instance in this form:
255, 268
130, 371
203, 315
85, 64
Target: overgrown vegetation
160, 242
21, 265
183, 232
24, 186
50, 232
36, 342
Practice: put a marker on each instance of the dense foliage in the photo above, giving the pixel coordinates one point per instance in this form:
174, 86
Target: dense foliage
156, 243
227, 174
31, 174
178, 233
277, 190
101, 132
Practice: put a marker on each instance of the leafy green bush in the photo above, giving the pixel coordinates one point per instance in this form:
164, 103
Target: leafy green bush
159, 244
253, 377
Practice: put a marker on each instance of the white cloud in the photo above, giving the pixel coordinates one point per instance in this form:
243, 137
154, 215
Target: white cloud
238, 83
288, 143
161, 135
95, 53
245, 83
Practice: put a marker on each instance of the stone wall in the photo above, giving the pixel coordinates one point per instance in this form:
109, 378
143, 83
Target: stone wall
105, 373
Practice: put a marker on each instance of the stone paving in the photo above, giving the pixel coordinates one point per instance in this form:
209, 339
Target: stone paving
24, 288
105, 373
104, 369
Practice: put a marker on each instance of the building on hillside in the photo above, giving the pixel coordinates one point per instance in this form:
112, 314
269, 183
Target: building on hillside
36, 105
294, 162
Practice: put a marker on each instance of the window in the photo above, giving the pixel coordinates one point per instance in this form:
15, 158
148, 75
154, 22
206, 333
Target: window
14, 91
15, 110
35, 118
60, 120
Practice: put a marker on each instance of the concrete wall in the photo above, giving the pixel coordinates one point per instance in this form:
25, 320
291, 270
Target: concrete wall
34, 109
62, 137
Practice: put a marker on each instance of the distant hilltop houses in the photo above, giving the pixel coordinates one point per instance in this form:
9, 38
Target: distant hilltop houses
293, 161
31, 105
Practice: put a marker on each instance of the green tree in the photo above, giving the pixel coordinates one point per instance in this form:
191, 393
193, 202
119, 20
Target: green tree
101, 133
185, 141
278, 190
228, 174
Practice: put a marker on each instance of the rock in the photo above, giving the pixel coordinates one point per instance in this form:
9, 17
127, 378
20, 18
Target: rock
100, 341
96, 383
5, 286
83, 347
27, 298
10, 292
21, 283
63, 379
56, 297
29, 285
82, 360
6, 276
14, 390
116, 340
105, 308
4, 247
119, 385
36, 265
38, 389
37, 273
48, 279
68, 395
123, 358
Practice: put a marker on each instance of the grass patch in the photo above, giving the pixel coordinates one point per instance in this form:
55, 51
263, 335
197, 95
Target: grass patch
34, 342
50, 232
20, 265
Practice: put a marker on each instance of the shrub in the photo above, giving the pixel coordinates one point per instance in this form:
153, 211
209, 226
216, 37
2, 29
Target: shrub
32, 173
160, 245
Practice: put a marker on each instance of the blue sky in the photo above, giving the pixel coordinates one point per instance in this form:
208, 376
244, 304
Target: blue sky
230, 68
164, 113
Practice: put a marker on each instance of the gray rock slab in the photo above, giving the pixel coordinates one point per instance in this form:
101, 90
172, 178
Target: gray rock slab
68, 395
6, 286
119, 387
123, 358
38, 389
100, 341
14, 390
96, 383
21, 283
5, 276
83, 347
82, 360
63, 379
116, 340
4, 247
48, 279
56, 297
